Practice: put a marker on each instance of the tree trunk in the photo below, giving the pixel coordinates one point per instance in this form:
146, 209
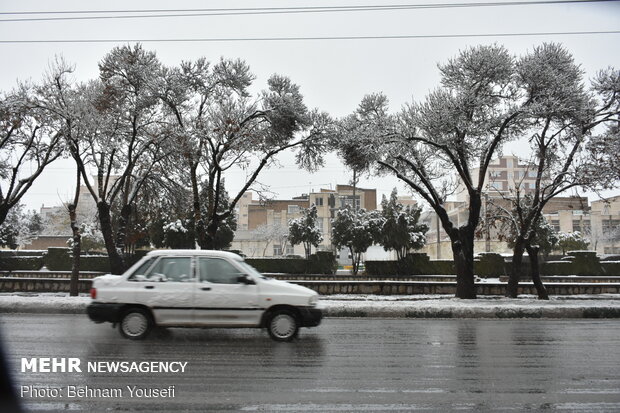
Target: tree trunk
76, 250
117, 264
210, 233
540, 287
307, 249
355, 259
200, 232
463, 252
4, 211
515, 275
123, 224
462, 242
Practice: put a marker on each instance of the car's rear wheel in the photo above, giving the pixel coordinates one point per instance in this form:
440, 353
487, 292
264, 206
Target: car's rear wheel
136, 324
283, 325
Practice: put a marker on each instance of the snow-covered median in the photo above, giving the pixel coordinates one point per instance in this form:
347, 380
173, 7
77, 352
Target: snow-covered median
416, 306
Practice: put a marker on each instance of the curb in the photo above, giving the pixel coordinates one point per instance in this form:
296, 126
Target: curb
477, 312
384, 309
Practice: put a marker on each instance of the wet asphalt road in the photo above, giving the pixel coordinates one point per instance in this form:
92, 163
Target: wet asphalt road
343, 365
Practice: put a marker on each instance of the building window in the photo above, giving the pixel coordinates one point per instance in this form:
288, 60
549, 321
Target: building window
497, 185
577, 226
555, 224
290, 250
319, 223
348, 200
293, 209
611, 225
277, 250
531, 174
495, 174
509, 163
319, 201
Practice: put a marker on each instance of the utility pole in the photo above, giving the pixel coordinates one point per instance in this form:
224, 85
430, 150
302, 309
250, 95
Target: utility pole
438, 236
354, 187
487, 246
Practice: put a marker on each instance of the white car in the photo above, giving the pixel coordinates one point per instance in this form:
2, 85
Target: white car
201, 288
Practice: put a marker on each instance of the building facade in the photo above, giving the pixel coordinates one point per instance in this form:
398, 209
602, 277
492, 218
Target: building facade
263, 225
600, 221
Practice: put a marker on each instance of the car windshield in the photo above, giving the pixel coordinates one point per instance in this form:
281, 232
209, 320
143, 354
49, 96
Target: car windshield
251, 270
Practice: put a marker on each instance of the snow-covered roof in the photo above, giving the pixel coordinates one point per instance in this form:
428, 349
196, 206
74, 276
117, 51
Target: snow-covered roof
209, 253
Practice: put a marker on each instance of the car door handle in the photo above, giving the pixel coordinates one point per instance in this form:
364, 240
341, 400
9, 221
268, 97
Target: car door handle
206, 288
149, 287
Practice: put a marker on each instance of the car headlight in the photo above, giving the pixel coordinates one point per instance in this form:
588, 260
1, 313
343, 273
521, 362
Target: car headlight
313, 300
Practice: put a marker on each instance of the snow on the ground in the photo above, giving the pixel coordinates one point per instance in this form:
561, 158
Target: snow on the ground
42, 302
371, 305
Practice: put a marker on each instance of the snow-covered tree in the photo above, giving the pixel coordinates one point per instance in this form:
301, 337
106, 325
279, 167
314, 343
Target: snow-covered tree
459, 126
177, 235
91, 238
487, 98
216, 125
401, 230
561, 125
28, 143
111, 126
542, 237
270, 235
572, 241
356, 230
305, 230
19, 227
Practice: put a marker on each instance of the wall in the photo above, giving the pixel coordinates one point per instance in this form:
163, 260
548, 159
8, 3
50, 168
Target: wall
346, 287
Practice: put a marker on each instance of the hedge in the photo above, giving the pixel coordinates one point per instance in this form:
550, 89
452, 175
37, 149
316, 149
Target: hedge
21, 263
611, 267
61, 259
321, 263
412, 264
490, 264
21, 253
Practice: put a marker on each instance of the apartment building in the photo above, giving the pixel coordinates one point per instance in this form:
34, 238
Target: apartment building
600, 223
262, 225
502, 178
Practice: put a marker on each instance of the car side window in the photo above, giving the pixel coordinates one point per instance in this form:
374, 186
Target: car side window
138, 275
171, 269
217, 270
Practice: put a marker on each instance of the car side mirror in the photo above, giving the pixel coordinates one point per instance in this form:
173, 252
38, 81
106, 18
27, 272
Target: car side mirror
244, 279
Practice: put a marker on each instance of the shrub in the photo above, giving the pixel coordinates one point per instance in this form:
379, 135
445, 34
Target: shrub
57, 259
321, 263
20, 263
490, 265
412, 264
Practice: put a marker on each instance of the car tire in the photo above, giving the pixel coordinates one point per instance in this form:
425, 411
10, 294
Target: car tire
283, 325
136, 324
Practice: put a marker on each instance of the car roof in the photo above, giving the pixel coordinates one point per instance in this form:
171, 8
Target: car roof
206, 253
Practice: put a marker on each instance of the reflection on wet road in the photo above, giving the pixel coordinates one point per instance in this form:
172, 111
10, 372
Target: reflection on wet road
343, 365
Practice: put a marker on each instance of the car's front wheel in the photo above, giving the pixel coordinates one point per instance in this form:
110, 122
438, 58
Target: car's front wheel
283, 325
136, 324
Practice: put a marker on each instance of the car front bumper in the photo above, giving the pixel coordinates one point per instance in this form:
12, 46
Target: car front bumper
310, 316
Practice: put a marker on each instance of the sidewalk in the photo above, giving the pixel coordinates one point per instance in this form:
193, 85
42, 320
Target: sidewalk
418, 306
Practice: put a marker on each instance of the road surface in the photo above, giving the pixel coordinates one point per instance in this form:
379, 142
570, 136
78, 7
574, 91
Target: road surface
361, 364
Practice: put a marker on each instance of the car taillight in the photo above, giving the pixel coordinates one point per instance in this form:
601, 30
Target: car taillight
93, 293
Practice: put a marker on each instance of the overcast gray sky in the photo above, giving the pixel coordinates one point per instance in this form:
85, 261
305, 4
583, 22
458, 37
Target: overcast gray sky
333, 75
